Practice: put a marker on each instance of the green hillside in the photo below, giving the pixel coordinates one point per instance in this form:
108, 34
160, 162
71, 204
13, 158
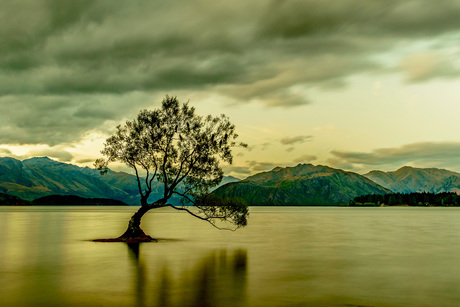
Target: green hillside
38, 177
304, 184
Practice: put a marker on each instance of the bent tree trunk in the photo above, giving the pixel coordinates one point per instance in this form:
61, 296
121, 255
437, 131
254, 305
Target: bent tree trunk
134, 231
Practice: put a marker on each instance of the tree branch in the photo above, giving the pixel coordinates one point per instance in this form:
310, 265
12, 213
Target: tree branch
153, 177
137, 177
184, 195
173, 186
175, 181
207, 219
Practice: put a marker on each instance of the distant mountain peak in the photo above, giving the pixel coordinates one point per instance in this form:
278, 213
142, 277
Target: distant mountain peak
405, 167
43, 159
7, 158
303, 184
409, 179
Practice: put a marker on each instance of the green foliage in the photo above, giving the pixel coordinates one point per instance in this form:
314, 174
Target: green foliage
409, 199
10, 200
178, 148
235, 210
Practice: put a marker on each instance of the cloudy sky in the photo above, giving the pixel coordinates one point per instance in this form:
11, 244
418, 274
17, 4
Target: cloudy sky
354, 84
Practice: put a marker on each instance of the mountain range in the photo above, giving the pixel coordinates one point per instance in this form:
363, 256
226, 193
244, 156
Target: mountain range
304, 184
37, 177
409, 179
41, 176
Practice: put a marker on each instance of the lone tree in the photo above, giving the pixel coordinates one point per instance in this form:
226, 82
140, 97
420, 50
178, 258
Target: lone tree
181, 150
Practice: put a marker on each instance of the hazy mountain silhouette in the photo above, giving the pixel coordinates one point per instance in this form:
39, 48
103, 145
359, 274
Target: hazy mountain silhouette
304, 184
409, 179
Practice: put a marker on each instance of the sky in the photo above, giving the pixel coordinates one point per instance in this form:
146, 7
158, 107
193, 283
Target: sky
353, 84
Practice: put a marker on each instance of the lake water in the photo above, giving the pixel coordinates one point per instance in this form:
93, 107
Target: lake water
310, 256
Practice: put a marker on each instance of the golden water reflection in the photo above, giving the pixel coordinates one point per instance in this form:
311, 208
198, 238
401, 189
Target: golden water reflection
216, 279
44, 261
284, 257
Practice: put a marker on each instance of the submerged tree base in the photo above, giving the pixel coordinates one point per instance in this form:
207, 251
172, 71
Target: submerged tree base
138, 239
134, 233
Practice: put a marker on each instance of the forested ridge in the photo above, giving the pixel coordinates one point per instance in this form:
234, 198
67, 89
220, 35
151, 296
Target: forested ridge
444, 199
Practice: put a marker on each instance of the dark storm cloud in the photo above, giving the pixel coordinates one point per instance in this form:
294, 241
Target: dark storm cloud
290, 19
94, 112
113, 46
258, 51
426, 153
32, 120
52, 120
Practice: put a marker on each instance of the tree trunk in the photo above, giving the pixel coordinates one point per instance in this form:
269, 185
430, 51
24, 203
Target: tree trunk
134, 231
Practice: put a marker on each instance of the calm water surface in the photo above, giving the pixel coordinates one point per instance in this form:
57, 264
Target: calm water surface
285, 257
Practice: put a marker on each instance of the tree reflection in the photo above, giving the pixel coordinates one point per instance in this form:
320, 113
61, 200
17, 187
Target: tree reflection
216, 279
140, 273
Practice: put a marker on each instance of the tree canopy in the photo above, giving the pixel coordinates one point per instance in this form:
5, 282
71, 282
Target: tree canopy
181, 150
